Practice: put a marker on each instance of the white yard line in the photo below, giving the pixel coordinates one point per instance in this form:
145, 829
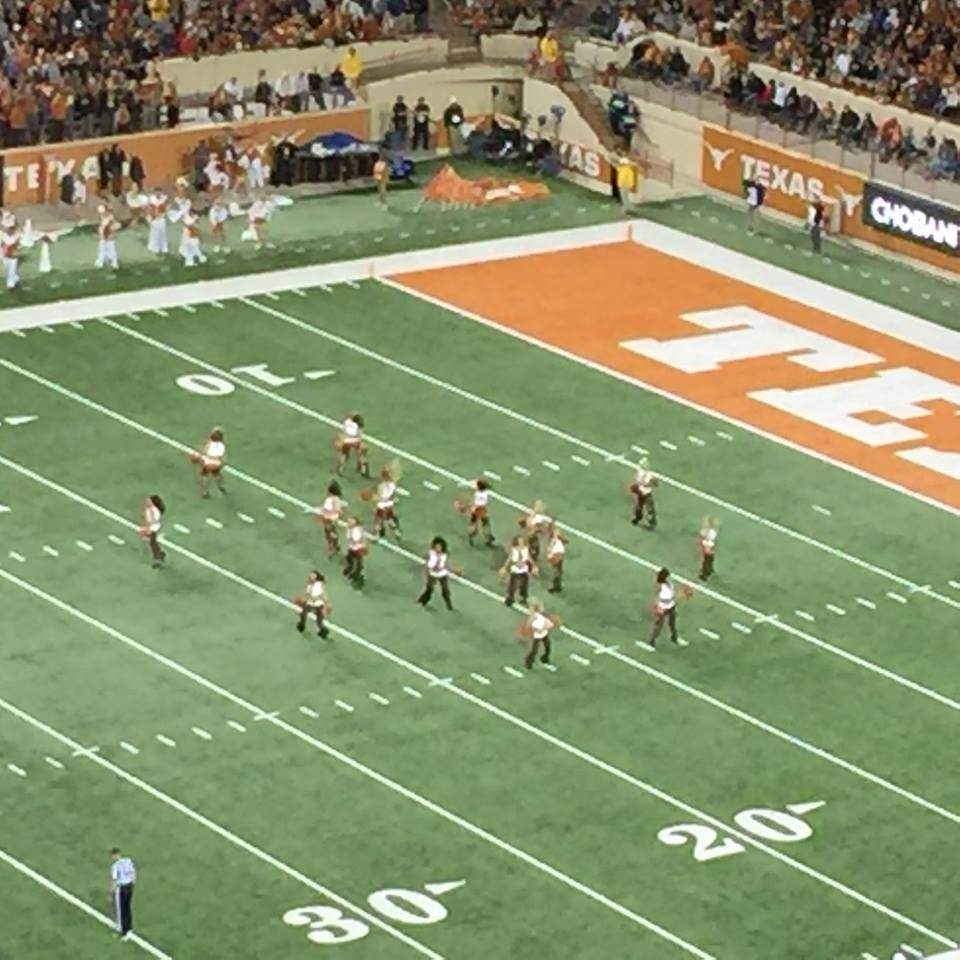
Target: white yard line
558, 434
223, 832
505, 715
75, 901
583, 535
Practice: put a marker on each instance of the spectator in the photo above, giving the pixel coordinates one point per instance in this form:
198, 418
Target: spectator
340, 95
526, 23
263, 92
705, 75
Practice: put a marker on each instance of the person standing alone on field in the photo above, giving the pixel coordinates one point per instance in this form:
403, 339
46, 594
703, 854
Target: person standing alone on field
381, 174
754, 193
816, 217
314, 602
665, 609
123, 877
153, 510
708, 546
535, 629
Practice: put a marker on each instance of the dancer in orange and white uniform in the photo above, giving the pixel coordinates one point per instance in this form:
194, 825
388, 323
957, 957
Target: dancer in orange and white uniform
356, 551
210, 458
157, 218
665, 608
10, 247
436, 573
257, 216
218, 215
152, 519
328, 516
534, 525
642, 487
190, 239
107, 230
556, 554
477, 512
314, 602
535, 630
350, 440
709, 533
517, 570
217, 176
386, 511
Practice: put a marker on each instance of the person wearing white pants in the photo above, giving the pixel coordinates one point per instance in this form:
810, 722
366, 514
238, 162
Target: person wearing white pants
10, 245
106, 243
190, 242
157, 215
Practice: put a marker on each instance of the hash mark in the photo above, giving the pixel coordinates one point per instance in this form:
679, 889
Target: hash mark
869, 604
709, 633
955, 584
83, 545
166, 741
378, 698
833, 608
430, 485
270, 296
188, 308
550, 465
113, 538
19, 557
896, 596
246, 518
216, 524
50, 551
276, 512
344, 706
307, 711
48, 330
741, 627
696, 441
641, 450
521, 470
75, 325
803, 615
816, 507
180, 528
513, 671
492, 475
480, 678
129, 747
299, 293
19, 771
18, 333
724, 436
410, 691
667, 445
576, 658
217, 304
201, 733
239, 727
583, 461
56, 764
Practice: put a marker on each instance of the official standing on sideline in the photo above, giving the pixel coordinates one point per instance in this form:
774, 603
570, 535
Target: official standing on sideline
754, 194
123, 877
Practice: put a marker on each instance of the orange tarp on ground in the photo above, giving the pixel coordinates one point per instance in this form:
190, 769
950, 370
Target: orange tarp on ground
447, 186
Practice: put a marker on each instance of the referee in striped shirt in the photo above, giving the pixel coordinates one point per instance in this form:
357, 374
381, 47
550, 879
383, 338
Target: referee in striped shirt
123, 877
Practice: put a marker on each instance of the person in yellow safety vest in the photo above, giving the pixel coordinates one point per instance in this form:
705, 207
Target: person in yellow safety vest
627, 180
351, 66
549, 49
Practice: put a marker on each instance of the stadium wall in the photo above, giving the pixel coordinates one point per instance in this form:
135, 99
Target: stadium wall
207, 73
33, 174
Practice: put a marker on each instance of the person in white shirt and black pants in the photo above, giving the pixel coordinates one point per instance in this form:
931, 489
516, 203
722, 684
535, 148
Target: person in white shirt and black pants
123, 879
436, 573
518, 568
153, 511
754, 193
665, 609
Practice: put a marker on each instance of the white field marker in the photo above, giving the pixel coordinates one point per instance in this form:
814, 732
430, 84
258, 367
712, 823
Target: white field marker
50, 551
803, 808
217, 304
667, 445
270, 296
552, 667
602, 650
180, 528
188, 308
239, 727
440, 681
20, 421
523, 471
19, 557
723, 435
263, 715
276, 512
896, 596
955, 584
430, 485
129, 747
299, 293
492, 475
576, 658
344, 706
113, 538
318, 374
201, 733
918, 588
803, 615
767, 618
864, 602
83, 545
403, 491
75, 325
868, 956
823, 510
480, 678
696, 441
583, 461
833, 608
246, 518
411, 692
912, 951
378, 698
48, 330
550, 465
166, 741
740, 627
325, 288
353, 285
216, 524
161, 313
19, 771
709, 634
56, 764
513, 671
643, 451
309, 712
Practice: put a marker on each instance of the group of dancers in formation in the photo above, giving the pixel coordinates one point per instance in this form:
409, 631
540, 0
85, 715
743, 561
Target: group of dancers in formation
538, 535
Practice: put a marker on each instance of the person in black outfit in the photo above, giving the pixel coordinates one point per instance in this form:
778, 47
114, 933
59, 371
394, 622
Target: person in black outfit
401, 121
421, 125
452, 118
315, 83
816, 220
103, 170
137, 172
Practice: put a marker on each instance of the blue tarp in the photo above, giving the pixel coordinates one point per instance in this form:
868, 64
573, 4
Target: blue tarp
337, 144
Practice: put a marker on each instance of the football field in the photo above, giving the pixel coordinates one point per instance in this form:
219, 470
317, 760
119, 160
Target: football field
784, 786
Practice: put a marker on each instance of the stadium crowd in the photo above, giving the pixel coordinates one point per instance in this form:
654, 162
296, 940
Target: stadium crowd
82, 68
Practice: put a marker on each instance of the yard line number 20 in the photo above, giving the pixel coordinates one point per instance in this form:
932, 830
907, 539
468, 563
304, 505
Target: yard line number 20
764, 823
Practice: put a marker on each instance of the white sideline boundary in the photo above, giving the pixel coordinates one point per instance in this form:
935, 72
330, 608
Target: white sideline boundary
82, 905
848, 306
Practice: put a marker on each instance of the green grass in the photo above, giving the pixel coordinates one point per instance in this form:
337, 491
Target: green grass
575, 771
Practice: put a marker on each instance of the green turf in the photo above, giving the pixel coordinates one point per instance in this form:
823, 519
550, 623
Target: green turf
633, 752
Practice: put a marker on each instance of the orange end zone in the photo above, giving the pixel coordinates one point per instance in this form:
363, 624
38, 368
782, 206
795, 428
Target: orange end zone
757, 357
